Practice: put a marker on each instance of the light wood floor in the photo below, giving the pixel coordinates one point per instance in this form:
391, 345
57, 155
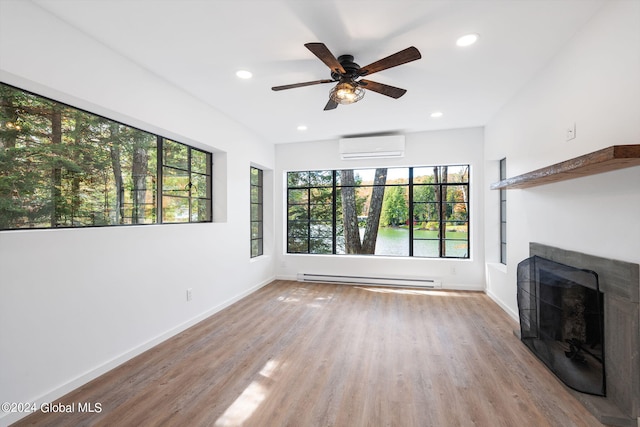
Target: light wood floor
296, 354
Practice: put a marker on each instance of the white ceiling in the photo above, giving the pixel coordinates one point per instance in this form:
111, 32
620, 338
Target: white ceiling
198, 45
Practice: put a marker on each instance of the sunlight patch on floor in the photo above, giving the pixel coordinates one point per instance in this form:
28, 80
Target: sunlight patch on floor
320, 302
294, 296
314, 305
269, 368
246, 404
413, 291
243, 407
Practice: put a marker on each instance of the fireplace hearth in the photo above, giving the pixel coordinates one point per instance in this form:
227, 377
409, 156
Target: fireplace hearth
618, 286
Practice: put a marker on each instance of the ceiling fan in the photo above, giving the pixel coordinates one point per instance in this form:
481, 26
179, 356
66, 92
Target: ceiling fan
351, 86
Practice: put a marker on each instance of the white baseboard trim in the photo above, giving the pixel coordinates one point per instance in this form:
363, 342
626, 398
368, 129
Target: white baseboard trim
462, 287
58, 392
503, 306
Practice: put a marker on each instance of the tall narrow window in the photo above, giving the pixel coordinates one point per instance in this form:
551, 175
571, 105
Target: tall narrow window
256, 213
503, 214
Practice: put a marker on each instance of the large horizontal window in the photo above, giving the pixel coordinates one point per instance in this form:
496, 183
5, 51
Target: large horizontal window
65, 167
413, 211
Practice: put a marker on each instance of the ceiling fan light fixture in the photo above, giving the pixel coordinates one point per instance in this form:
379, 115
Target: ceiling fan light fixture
346, 92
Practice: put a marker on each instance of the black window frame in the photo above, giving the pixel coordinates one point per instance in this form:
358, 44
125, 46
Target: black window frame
503, 213
333, 186
194, 175
205, 201
256, 211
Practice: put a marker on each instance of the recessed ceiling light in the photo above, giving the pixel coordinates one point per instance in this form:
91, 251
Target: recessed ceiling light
302, 128
244, 74
436, 114
467, 40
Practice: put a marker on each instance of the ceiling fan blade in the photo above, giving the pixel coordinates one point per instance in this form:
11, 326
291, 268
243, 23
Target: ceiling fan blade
331, 105
324, 54
392, 91
407, 55
295, 85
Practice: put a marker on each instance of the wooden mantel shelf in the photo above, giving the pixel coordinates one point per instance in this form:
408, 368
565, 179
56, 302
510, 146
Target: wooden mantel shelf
607, 159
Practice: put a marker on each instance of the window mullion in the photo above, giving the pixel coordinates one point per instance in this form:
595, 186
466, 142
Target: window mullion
441, 242
190, 184
410, 211
288, 219
308, 219
334, 207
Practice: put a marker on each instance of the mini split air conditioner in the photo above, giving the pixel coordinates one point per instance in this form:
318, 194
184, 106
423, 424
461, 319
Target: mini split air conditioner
372, 147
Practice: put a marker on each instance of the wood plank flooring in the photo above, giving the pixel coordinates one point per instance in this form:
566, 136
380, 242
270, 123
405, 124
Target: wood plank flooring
300, 354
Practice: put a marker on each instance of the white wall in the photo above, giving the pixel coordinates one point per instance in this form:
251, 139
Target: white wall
593, 82
75, 303
463, 146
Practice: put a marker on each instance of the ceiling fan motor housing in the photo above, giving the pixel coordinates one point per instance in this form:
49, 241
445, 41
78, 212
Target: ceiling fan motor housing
349, 66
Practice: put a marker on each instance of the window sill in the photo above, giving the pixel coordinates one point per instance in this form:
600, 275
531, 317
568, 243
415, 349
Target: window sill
502, 268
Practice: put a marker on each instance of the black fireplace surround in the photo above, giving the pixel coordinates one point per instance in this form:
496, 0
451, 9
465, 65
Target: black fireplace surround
562, 322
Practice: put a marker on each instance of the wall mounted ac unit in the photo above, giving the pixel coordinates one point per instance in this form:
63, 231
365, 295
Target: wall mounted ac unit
372, 147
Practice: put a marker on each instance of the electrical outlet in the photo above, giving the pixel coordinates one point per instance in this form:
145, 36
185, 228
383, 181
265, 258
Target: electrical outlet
189, 294
571, 132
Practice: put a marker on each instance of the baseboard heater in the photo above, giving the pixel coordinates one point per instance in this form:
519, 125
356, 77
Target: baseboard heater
372, 281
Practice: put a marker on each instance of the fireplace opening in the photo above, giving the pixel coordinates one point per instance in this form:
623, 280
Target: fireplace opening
561, 321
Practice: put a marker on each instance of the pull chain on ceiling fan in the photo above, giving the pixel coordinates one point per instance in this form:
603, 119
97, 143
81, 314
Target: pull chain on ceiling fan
346, 72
